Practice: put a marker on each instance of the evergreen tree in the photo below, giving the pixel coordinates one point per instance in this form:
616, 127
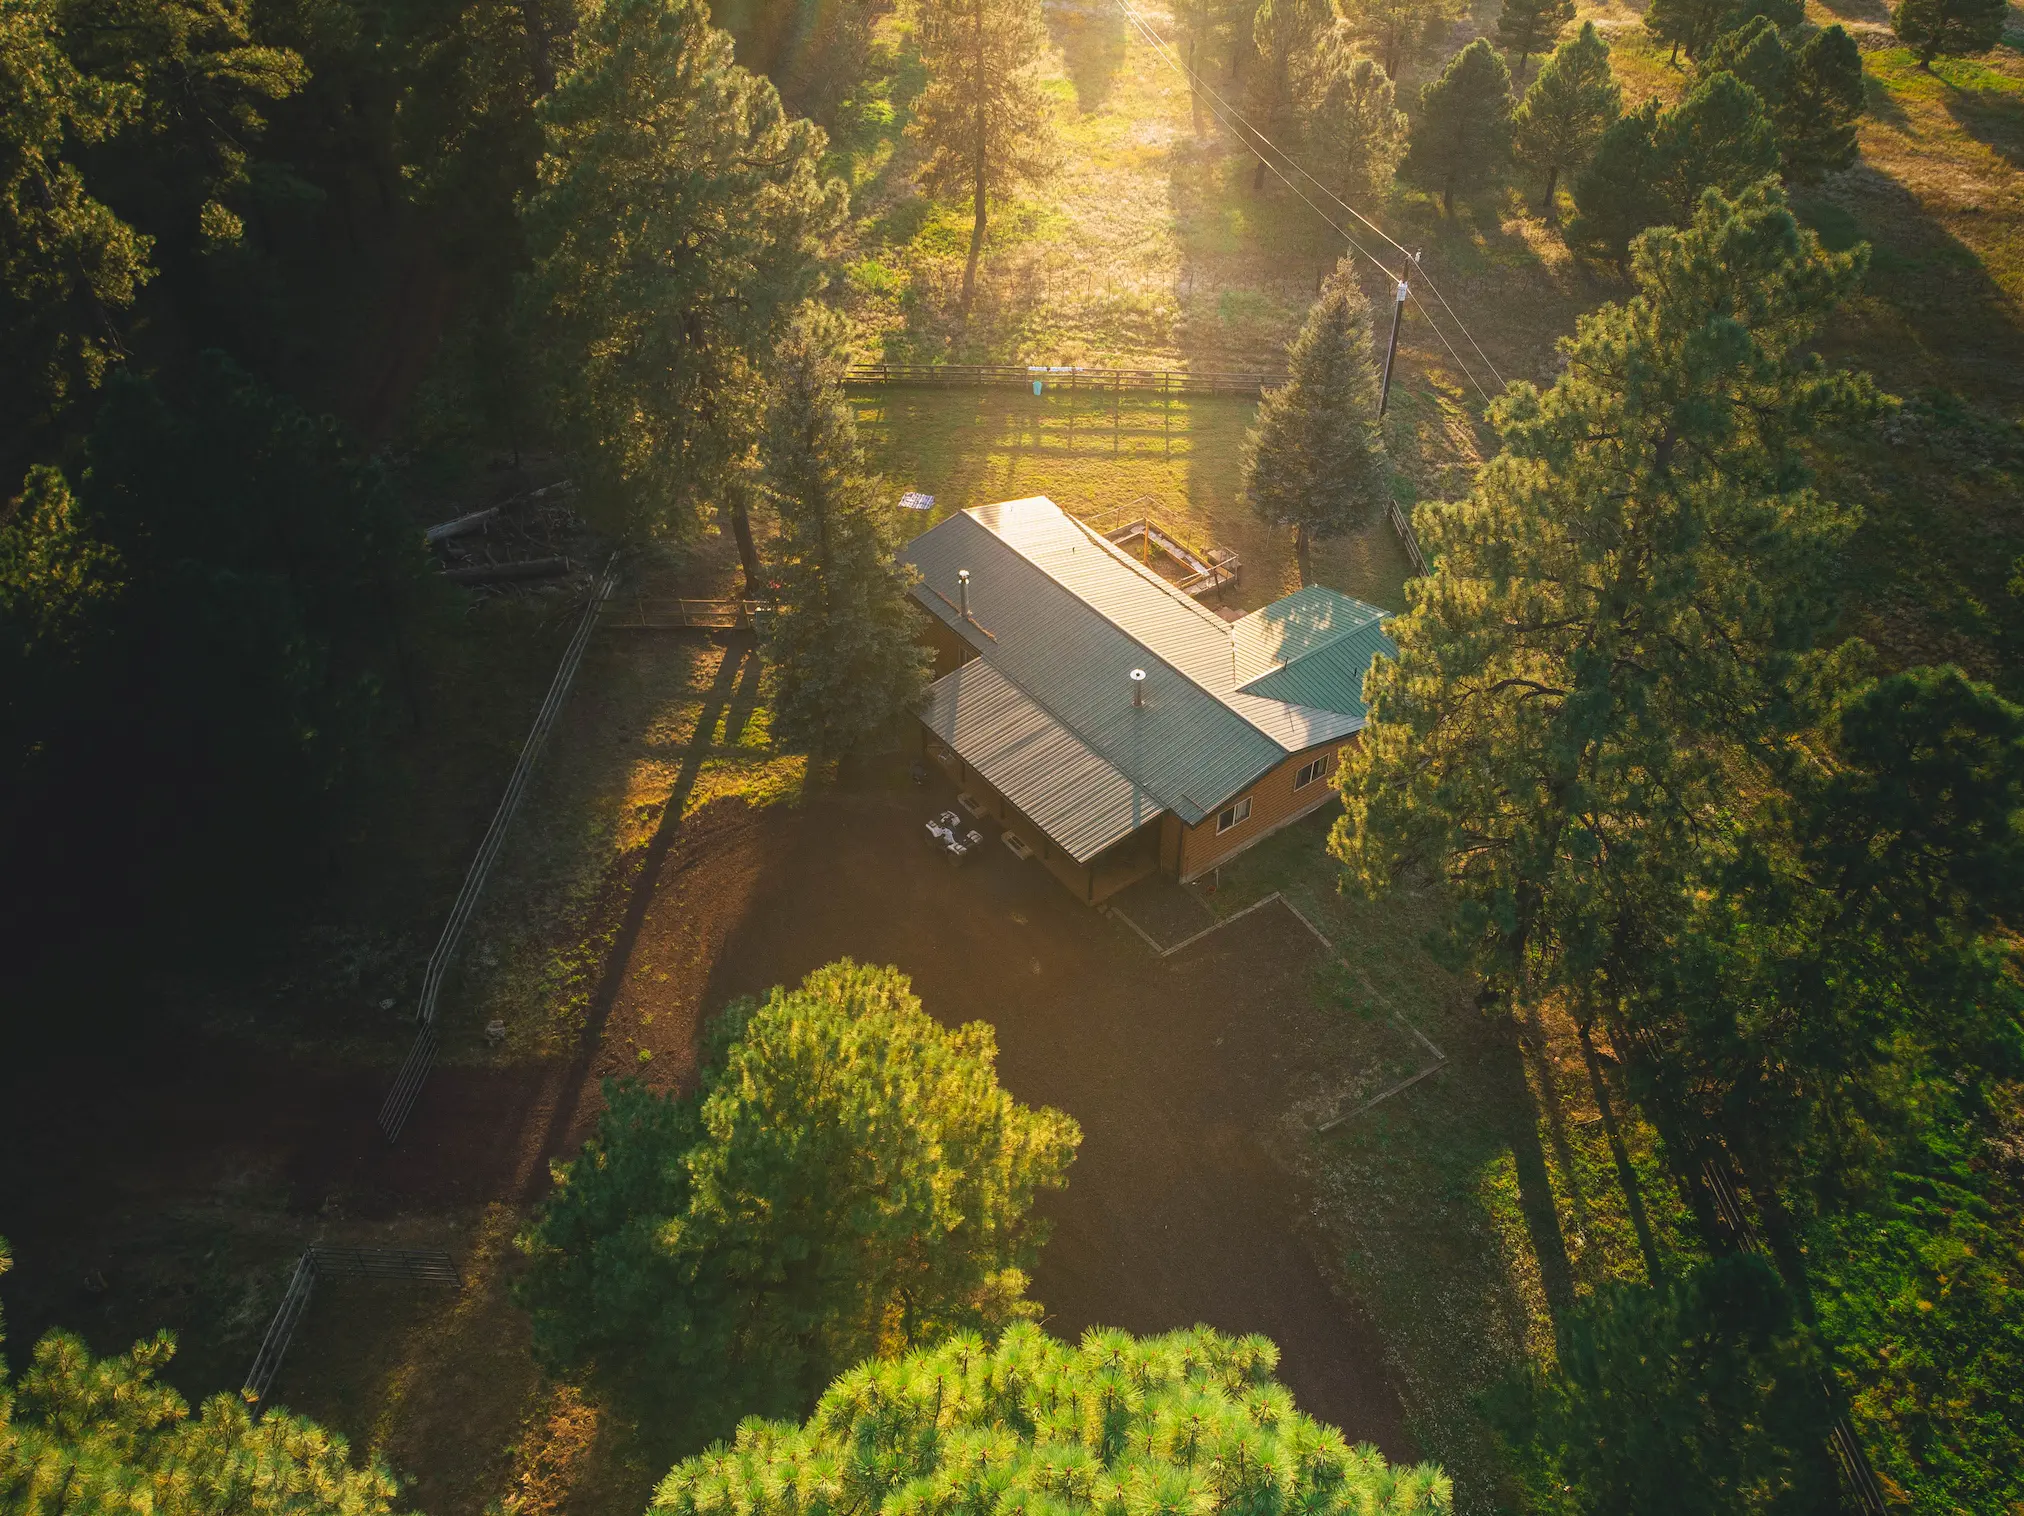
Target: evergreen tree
1185, 1422
1285, 35
103, 1435
1948, 28
1699, 1396
849, 1182
1653, 166
1719, 137
1398, 31
1755, 54
1617, 195
843, 639
983, 121
1620, 616
1353, 129
1463, 135
1529, 27
1692, 25
1822, 102
1563, 116
679, 222
67, 263
1314, 460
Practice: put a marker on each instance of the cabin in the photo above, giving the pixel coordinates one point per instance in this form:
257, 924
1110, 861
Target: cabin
1111, 723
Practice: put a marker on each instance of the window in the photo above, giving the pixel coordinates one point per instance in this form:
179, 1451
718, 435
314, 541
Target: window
1310, 772
1232, 814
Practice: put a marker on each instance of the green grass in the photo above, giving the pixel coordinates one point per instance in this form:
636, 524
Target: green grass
971, 447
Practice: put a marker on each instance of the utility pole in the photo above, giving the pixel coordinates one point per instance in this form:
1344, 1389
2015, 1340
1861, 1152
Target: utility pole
1398, 319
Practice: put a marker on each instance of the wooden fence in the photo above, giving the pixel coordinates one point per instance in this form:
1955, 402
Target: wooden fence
672, 614
1101, 381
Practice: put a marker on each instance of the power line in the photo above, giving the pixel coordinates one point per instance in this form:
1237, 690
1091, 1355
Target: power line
1243, 126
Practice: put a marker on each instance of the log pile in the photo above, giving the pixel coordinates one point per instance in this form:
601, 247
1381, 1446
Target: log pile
522, 541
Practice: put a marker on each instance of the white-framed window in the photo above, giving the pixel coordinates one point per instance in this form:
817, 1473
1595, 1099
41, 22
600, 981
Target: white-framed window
1234, 813
1309, 772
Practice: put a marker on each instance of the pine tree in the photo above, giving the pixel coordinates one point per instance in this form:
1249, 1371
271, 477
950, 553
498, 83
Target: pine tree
1397, 31
1620, 616
983, 122
1652, 167
1353, 130
1190, 1421
1822, 102
1315, 458
1617, 196
1755, 54
679, 222
1529, 27
1948, 28
1719, 137
80, 1433
1286, 35
1463, 135
850, 1182
1689, 25
843, 639
1563, 116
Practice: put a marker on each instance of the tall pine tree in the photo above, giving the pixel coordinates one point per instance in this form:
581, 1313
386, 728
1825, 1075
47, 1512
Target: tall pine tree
1570, 105
1823, 100
1621, 612
1286, 35
983, 122
679, 222
842, 641
1351, 125
850, 1182
1529, 27
1463, 135
1315, 458
1652, 166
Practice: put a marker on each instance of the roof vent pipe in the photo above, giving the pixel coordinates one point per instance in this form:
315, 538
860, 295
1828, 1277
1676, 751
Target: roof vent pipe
963, 590
1138, 688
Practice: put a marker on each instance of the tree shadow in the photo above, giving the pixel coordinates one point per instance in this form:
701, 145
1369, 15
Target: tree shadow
724, 689
1626, 1173
1092, 44
1994, 117
1929, 314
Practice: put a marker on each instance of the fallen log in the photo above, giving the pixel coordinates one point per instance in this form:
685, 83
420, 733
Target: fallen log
495, 573
463, 526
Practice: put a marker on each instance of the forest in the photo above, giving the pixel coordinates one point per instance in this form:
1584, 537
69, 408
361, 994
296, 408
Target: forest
1704, 742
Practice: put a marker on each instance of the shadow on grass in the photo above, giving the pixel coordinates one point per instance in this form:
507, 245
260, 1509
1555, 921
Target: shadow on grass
1092, 47
725, 690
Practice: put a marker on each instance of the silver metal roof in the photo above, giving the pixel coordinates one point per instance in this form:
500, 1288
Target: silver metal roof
1035, 762
1065, 616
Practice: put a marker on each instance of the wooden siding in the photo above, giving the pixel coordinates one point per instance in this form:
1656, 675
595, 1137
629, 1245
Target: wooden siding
1274, 802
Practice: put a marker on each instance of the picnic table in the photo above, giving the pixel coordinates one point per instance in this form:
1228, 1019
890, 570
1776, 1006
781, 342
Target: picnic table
956, 839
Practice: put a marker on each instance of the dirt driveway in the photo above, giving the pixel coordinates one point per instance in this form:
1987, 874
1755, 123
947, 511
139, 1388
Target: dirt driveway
1178, 1070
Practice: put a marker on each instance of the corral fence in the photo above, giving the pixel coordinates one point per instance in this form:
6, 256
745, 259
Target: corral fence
319, 1261
648, 613
1042, 380
400, 1101
1099, 382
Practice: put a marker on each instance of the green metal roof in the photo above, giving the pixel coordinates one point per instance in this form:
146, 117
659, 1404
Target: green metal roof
1323, 643
1069, 792
1064, 616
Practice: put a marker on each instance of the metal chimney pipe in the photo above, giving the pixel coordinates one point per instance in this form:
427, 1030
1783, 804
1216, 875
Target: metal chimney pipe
1138, 688
963, 590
